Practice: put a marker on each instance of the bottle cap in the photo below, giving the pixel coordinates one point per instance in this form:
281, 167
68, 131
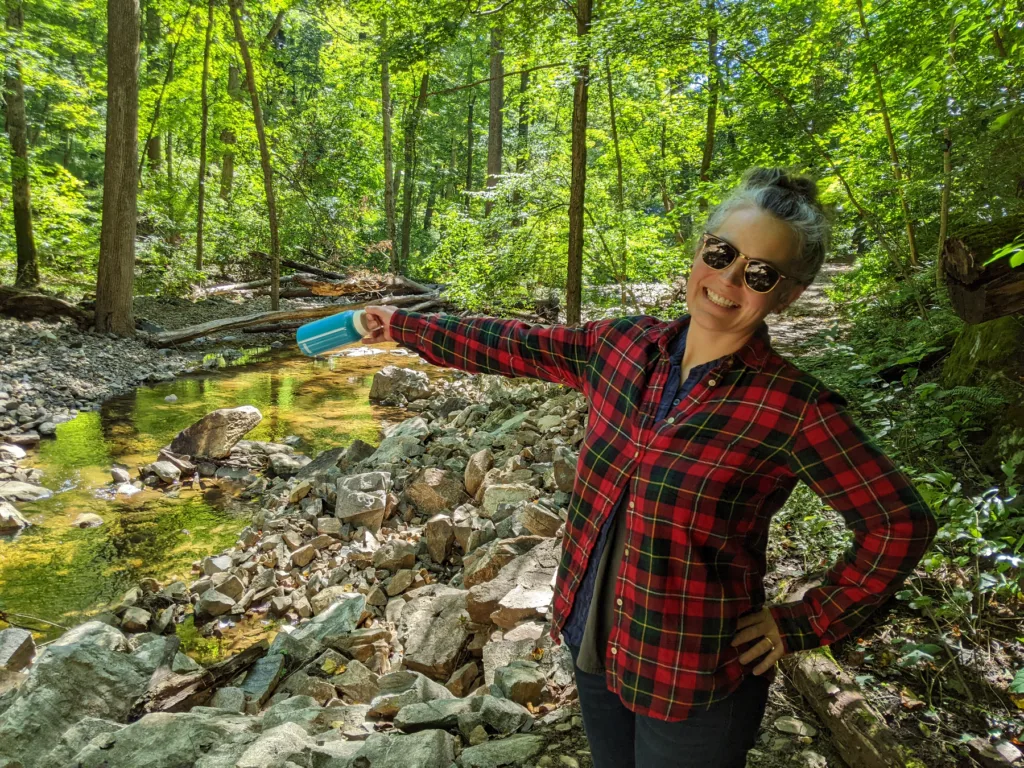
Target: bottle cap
359, 323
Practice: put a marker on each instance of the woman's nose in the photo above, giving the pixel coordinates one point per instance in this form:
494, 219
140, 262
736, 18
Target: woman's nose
734, 272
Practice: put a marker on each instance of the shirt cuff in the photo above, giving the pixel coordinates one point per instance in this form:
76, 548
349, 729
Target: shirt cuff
794, 625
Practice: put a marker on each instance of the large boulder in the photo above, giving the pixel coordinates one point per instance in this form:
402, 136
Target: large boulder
518, 749
68, 683
15, 490
426, 749
395, 554
479, 464
498, 715
164, 740
506, 494
214, 435
75, 739
359, 508
340, 617
399, 689
433, 631
393, 384
530, 575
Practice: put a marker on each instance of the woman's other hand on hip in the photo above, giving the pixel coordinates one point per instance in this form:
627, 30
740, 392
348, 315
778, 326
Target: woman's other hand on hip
761, 630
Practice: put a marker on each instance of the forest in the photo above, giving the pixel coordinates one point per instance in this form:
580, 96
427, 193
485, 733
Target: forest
513, 156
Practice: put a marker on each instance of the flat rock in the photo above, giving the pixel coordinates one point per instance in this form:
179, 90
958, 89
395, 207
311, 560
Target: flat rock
214, 435
13, 490
399, 689
213, 603
357, 682
435, 490
433, 632
263, 677
517, 749
426, 749
502, 493
17, 647
498, 715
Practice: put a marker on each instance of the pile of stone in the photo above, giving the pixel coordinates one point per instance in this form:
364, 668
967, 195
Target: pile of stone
412, 583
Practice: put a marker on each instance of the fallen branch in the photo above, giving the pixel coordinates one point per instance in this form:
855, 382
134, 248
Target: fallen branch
171, 692
252, 285
35, 306
311, 270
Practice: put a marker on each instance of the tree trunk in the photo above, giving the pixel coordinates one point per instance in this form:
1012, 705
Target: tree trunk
228, 139
980, 292
409, 155
28, 269
275, 29
117, 232
495, 124
578, 178
390, 233
893, 154
713, 82
431, 199
204, 130
268, 173
522, 137
620, 206
152, 34
469, 138
947, 173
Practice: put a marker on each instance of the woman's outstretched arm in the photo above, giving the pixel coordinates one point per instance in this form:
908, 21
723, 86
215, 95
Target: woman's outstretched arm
556, 353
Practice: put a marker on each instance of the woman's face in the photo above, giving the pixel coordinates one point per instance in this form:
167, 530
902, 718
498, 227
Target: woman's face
758, 235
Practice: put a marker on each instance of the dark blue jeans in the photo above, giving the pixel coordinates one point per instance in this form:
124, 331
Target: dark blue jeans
718, 737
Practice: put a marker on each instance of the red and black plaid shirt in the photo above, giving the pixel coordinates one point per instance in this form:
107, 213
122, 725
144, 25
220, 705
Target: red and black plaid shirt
702, 487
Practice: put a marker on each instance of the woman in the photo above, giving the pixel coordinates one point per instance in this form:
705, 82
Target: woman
697, 433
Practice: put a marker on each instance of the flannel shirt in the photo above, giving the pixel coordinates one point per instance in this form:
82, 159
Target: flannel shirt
702, 485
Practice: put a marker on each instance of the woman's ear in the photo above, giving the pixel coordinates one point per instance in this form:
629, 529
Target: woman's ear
792, 296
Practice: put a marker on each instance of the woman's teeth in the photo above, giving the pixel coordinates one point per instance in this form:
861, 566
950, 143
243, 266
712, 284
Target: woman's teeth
719, 300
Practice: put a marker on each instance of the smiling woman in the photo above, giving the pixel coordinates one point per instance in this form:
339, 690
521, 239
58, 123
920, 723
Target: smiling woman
697, 434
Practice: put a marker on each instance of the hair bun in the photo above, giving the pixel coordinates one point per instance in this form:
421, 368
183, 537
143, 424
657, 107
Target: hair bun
798, 184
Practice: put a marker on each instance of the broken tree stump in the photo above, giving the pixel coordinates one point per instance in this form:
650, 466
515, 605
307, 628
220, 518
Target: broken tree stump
25, 305
978, 292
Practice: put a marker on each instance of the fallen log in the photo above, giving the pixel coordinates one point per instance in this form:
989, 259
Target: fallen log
978, 292
172, 692
312, 270
274, 328
26, 305
252, 285
170, 338
859, 733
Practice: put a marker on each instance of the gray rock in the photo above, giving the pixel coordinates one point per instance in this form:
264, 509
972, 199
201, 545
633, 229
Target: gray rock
502, 493
435, 490
426, 749
502, 653
164, 740
341, 617
165, 470
564, 466
539, 520
433, 632
479, 464
325, 598
532, 573
13, 490
284, 465
393, 383
521, 681
414, 427
68, 683
263, 677
359, 508
399, 689
514, 750
400, 582
395, 554
498, 715
214, 435
394, 450
11, 520
93, 633
357, 682
232, 699
120, 475
17, 648
74, 740
213, 603
439, 533
217, 564
276, 747
87, 520
136, 620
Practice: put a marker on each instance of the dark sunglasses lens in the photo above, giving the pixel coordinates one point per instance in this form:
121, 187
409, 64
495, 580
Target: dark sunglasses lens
760, 277
718, 254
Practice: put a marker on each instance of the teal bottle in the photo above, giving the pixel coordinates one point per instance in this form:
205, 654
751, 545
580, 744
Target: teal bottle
329, 333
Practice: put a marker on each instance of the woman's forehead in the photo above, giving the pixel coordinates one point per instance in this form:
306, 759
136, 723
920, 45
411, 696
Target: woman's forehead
759, 235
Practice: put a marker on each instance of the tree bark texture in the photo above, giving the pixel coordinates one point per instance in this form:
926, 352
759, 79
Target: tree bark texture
495, 124
391, 233
409, 160
204, 131
980, 293
578, 177
713, 84
28, 267
470, 138
268, 173
522, 135
114, 283
228, 139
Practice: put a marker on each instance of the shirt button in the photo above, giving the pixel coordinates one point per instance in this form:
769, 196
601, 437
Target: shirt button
670, 419
614, 650
636, 455
632, 505
625, 552
711, 382
618, 601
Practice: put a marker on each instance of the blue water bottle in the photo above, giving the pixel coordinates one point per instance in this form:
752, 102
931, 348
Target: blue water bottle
332, 332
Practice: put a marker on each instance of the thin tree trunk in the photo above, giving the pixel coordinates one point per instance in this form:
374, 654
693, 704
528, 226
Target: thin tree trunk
522, 137
469, 140
117, 231
268, 173
431, 199
496, 112
578, 177
152, 33
453, 169
713, 81
620, 207
409, 154
204, 130
25, 242
947, 172
275, 28
228, 139
390, 233
893, 154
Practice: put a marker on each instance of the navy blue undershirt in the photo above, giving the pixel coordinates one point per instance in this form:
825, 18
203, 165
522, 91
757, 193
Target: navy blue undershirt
671, 396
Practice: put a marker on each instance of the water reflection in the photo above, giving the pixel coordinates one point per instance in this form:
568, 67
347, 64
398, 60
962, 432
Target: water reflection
60, 573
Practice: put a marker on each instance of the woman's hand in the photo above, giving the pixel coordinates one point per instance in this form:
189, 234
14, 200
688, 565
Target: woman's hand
759, 628
379, 321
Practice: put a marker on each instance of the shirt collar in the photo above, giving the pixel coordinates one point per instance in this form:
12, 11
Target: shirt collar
754, 353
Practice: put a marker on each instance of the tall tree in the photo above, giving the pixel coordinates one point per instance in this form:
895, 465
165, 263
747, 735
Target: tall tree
470, 137
713, 85
409, 161
28, 269
496, 112
268, 172
522, 135
228, 138
203, 131
114, 283
152, 33
389, 164
578, 178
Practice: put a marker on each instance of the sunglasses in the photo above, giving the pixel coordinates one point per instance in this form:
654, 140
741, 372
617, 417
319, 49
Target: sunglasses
759, 276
